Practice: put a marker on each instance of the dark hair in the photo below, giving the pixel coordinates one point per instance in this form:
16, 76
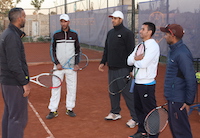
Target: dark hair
14, 13
151, 26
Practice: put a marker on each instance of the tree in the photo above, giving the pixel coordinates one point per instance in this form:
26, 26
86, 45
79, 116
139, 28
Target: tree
5, 6
37, 4
17, 1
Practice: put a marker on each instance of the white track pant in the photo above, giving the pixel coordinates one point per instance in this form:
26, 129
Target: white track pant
71, 84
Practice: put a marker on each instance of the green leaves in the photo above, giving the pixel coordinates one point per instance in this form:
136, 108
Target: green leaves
37, 4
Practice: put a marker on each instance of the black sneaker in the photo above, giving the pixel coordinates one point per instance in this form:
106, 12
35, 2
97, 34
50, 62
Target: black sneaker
70, 113
138, 135
52, 115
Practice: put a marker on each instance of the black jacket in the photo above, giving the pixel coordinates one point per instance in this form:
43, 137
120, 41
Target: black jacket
118, 46
13, 66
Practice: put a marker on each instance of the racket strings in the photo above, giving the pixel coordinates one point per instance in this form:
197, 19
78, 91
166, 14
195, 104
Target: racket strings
118, 84
156, 121
49, 81
140, 49
83, 61
71, 62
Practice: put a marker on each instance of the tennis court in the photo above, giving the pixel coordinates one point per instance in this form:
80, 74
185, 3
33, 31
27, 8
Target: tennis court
92, 103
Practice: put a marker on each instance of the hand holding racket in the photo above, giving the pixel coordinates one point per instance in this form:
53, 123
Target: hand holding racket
70, 64
156, 120
119, 84
46, 80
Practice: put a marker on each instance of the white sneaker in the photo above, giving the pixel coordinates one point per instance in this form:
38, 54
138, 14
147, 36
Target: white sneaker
112, 116
131, 123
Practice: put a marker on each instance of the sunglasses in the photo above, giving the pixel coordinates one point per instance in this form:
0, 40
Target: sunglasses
167, 27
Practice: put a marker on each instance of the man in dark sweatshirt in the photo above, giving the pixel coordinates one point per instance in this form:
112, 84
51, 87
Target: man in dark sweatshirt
14, 76
118, 46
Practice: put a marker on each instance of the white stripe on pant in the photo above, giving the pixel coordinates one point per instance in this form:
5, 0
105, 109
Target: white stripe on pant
71, 85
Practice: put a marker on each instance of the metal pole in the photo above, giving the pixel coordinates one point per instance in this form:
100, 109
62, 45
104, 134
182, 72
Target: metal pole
167, 12
107, 15
133, 19
65, 2
89, 5
122, 5
133, 16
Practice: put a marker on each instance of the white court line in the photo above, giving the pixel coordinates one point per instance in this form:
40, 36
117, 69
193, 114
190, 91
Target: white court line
41, 121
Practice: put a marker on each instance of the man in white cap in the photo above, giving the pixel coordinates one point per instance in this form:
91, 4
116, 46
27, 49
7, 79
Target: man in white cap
119, 44
65, 44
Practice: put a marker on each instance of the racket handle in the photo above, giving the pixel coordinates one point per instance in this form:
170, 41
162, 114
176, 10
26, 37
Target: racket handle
128, 77
53, 70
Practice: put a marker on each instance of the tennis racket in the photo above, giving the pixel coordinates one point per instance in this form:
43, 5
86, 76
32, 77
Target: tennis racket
119, 84
156, 120
82, 62
140, 49
46, 80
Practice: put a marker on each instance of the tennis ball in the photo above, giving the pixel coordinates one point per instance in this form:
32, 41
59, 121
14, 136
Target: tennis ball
198, 77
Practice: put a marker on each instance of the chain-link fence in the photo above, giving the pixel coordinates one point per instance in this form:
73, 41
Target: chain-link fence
38, 23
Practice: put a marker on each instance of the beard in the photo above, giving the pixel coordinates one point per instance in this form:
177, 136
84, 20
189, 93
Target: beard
64, 27
22, 25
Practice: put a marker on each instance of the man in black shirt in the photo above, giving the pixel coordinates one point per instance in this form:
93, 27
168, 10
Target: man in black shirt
14, 76
119, 44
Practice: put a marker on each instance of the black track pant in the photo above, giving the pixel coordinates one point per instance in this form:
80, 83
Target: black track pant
15, 111
115, 99
144, 97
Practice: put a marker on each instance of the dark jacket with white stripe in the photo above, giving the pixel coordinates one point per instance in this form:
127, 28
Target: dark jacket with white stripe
64, 46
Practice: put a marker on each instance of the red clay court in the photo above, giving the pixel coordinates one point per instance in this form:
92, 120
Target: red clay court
92, 103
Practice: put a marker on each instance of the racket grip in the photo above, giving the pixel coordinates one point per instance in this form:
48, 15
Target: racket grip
53, 70
132, 86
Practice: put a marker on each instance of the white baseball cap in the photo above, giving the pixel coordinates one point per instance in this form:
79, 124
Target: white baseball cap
117, 14
64, 17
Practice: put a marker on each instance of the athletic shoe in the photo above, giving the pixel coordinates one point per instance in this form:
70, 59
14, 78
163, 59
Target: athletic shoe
139, 135
131, 123
112, 116
70, 113
52, 115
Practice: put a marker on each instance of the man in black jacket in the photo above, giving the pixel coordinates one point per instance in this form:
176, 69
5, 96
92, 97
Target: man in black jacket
118, 46
14, 76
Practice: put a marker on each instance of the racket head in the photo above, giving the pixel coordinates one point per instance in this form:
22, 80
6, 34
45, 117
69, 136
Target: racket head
70, 63
140, 49
83, 61
49, 80
118, 85
156, 121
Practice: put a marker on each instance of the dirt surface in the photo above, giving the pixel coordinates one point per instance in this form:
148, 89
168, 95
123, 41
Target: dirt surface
92, 103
